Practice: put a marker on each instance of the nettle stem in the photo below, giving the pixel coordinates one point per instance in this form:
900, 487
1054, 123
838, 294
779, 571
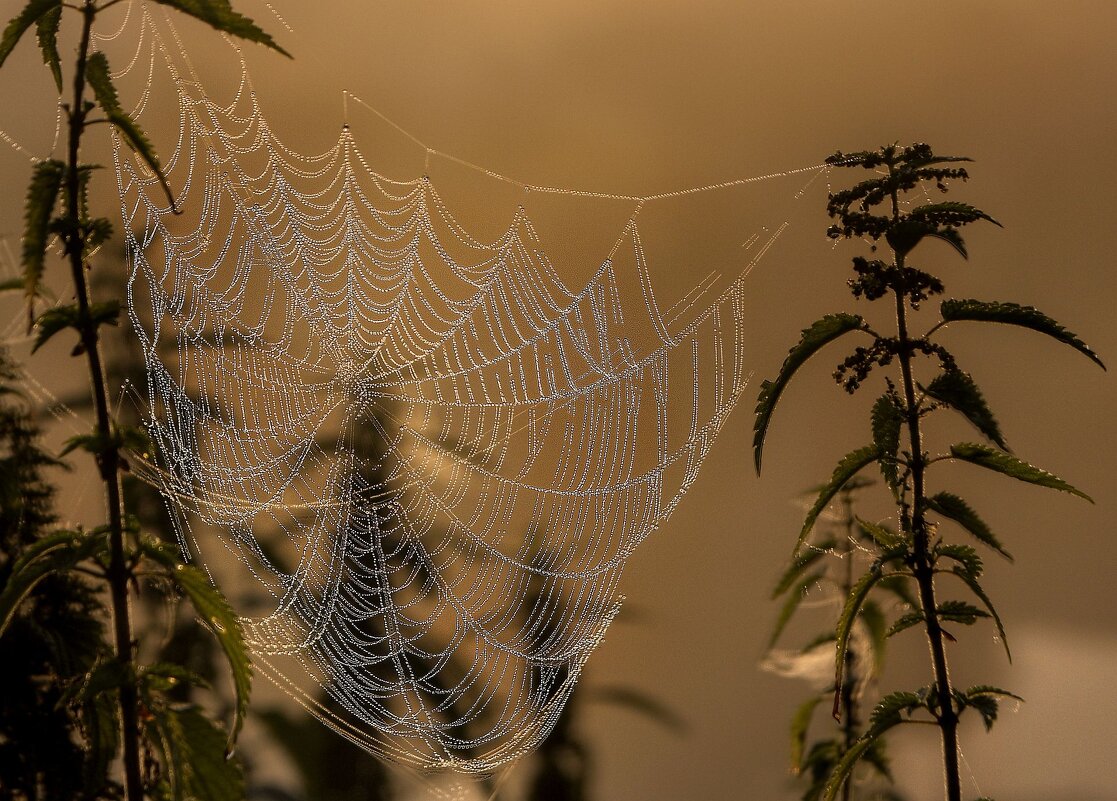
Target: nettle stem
108, 457
922, 564
850, 718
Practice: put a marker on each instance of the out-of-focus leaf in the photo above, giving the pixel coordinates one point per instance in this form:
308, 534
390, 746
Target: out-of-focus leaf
57, 552
800, 722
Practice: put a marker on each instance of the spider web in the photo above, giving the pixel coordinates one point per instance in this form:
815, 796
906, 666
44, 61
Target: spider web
432, 455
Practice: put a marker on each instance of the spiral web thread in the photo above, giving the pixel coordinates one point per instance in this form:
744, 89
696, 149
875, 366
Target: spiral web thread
432, 456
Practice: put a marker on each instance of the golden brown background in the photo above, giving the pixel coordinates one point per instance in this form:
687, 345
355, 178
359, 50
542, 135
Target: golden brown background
635, 97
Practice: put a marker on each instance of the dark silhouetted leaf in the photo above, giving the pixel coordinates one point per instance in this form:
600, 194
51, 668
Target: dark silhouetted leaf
979, 591
18, 25
887, 420
216, 614
1009, 465
884, 717
1013, 314
42, 194
904, 622
219, 14
881, 535
954, 508
193, 750
958, 390
966, 556
857, 595
46, 30
959, 612
58, 552
984, 699
100, 79
800, 722
820, 333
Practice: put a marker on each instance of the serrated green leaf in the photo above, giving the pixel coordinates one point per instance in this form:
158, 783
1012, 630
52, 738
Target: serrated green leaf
884, 717
19, 24
813, 338
795, 597
954, 508
966, 556
102, 736
880, 534
877, 756
799, 564
55, 553
887, 421
985, 700
42, 195
979, 591
1009, 465
193, 750
214, 611
857, 595
959, 612
847, 468
100, 79
1014, 314
219, 14
957, 390
904, 622
46, 31
800, 722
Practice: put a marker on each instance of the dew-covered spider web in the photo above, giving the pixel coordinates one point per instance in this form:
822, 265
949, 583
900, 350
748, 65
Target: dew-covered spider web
430, 450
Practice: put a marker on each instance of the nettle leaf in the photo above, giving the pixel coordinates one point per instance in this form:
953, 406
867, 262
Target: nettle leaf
887, 421
819, 334
1009, 465
19, 24
851, 464
796, 594
882, 535
42, 196
904, 622
219, 14
857, 595
885, 716
193, 750
966, 556
959, 612
100, 79
897, 585
800, 722
1014, 314
799, 564
954, 508
984, 699
60, 318
979, 591
46, 30
957, 390
58, 552
214, 611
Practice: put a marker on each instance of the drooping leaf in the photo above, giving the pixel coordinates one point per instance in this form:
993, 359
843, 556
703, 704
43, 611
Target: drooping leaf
851, 464
966, 557
857, 595
42, 194
799, 564
1014, 314
954, 508
813, 338
800, 722
795, 596
59, 318
219, 14
984, 699
57, 552
882, 535
193, 750
957, 390
884, 717
215, 612
100, 79
1009, 465
979, 591
46, 30
18, 25
887, 421
959, 612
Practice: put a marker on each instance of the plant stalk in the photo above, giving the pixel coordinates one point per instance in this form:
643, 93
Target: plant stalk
922, 566
108, 458
850, 719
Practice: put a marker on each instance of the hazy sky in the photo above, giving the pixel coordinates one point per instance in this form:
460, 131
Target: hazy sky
636, 97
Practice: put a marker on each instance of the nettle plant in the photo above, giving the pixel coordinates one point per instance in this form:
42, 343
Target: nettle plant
167, 748
916, 551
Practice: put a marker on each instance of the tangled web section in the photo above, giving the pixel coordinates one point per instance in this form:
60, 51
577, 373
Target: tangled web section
429, 456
